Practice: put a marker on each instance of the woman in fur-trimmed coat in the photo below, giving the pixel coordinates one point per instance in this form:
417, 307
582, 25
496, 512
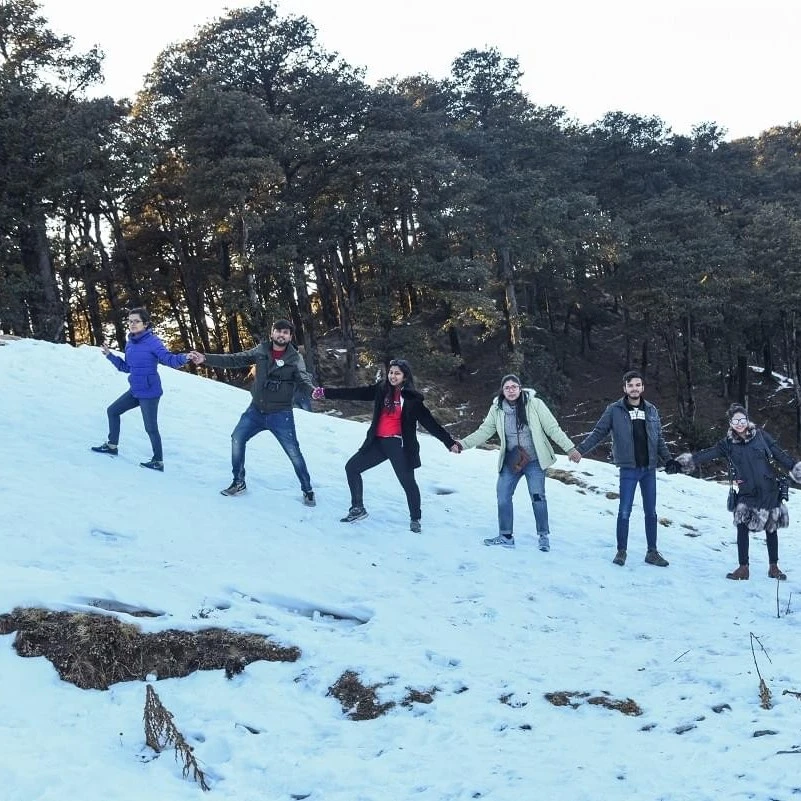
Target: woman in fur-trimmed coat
759, 508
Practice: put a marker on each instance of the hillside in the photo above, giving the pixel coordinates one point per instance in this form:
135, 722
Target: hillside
415, 666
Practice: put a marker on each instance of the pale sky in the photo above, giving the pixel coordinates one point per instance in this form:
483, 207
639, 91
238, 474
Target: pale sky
686, 61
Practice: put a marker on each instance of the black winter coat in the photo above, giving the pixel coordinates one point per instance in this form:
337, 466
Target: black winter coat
753, 470
413, 411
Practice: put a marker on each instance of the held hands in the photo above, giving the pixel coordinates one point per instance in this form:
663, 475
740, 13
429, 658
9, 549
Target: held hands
672, 467
457, 447
196, 357
574, 455
318, 393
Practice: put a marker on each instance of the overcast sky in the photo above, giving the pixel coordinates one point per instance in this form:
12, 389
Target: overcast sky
686, 61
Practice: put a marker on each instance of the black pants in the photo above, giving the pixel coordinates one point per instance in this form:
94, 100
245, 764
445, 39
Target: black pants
381, 449
772, 539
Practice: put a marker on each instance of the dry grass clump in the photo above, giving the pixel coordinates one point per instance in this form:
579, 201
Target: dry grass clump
566, 698
95, 651
419, 696
359, 702
565, 476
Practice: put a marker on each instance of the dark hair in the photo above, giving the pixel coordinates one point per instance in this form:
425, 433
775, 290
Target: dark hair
519, 404
736, 408
408, 377
143, 313
631, 375
283, 325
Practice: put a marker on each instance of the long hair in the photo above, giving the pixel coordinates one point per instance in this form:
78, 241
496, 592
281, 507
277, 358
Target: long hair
408, 377
519, 406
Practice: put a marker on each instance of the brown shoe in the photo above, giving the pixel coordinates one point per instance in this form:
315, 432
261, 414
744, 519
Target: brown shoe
620, 558
656, 558
741, 574
774, 572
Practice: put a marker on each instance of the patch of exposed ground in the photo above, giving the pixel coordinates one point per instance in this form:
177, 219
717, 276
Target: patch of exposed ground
96, 651
575, 698
360, 701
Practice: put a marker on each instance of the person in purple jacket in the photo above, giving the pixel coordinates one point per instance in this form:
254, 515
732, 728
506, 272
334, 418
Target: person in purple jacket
144, 351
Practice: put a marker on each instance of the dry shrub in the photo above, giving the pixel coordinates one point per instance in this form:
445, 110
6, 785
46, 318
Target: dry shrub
95, 651
765, 695
161, 732
358, 702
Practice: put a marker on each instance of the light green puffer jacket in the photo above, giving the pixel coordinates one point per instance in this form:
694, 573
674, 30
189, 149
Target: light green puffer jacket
544, 428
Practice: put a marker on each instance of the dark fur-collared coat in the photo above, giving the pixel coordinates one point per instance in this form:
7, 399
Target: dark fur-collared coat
758, 504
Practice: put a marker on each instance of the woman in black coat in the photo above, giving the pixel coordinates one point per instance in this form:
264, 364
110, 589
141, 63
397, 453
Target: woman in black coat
397, 409
749, 451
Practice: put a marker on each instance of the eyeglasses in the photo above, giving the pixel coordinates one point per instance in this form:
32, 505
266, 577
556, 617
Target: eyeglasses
739, 421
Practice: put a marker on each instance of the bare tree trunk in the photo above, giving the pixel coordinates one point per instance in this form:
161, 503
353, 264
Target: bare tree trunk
513, 314
742, 380
346, 312
688, 369
48, 313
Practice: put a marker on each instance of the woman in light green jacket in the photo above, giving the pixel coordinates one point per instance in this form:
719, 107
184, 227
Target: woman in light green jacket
525, 428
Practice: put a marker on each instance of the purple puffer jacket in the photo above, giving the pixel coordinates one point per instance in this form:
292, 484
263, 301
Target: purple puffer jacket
143, 353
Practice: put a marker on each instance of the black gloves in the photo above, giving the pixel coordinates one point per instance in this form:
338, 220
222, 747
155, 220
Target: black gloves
672, 466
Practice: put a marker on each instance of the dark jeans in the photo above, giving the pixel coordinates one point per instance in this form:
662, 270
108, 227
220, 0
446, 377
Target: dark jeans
771, 538
381, 449
282, 426
630, 477
150, 414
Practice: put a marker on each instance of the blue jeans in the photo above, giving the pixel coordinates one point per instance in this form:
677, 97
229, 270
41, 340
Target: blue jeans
507, 483
150, 412
282, 426
630, 477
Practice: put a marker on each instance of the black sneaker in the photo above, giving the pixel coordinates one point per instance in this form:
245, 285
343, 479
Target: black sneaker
236, 488
153, 464
106, 447
354, 513
308, 498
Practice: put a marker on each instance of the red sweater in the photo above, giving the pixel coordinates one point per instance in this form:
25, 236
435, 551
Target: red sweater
389, 422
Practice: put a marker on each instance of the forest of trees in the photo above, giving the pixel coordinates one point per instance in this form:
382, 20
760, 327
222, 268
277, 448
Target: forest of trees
256, 175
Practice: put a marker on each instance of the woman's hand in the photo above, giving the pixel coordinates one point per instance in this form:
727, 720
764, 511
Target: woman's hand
105, 348
318, 393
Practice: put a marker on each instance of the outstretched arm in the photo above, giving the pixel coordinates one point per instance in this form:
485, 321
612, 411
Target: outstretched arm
365, 393
117, 361
482, 433
598, 434
166, 357
426, 419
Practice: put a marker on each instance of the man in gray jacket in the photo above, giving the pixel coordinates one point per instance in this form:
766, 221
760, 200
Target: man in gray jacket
637, 447
279, 368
